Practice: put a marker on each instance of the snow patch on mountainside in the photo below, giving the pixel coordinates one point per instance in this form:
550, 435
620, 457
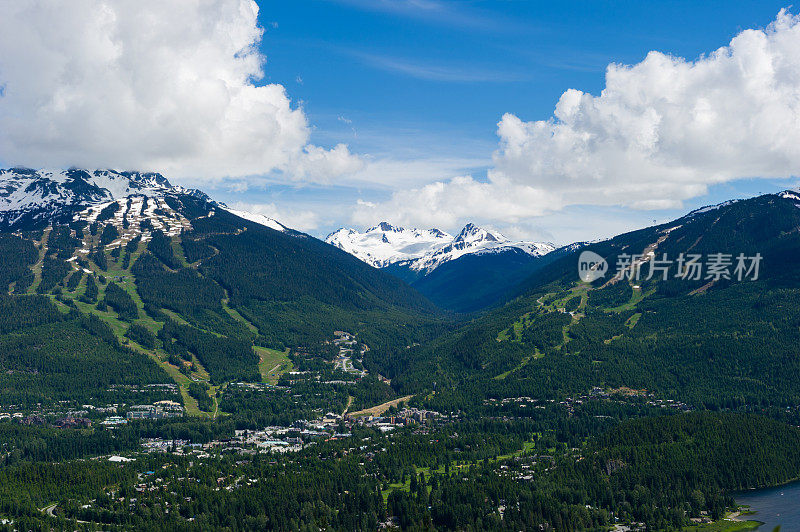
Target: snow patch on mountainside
709, 208
792, 194
260, 219
136, 217
424, 250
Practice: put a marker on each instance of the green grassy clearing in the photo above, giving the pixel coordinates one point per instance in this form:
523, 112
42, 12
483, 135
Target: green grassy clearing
37, 268
233, 313
636, 297
724, 526
524, 362
633, 320
272, 363
406, 486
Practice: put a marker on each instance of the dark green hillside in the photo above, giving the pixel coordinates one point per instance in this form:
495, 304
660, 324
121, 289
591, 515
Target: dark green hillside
297, 290
177, 290
669, 459
477, 281
226, 359
264, 264
16, 257
21, 312
722, 344
197, 306
47, 357
767, 225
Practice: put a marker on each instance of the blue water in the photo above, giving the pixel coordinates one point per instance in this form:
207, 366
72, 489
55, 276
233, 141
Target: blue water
774, 506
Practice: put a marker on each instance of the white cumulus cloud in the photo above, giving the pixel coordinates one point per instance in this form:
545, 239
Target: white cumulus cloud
447, 204
662, 131
168, 86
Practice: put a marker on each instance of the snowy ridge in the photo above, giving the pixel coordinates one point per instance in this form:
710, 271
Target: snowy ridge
34, 198
478, 241
792, 194
708, 208
424, 250
385, 244
23, 188
135, 204
260, 219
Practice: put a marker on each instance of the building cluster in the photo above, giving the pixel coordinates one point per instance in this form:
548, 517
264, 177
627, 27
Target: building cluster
649, 398
167, 445
42, 415
618, 395
526, 467
257, 386
406, 416
349, 348
271, 439
158, 410
293, 438
114, 421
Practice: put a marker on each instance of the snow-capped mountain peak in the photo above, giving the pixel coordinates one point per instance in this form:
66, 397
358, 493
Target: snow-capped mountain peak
473, 239
471, 234
385, 244
385, 227
33, 197
424, 250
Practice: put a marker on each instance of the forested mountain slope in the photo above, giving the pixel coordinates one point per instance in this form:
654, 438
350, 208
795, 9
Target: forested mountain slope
708, 341
478, 281
115, 265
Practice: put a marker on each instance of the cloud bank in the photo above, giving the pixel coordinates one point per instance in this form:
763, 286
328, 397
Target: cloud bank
167, 86
662, 131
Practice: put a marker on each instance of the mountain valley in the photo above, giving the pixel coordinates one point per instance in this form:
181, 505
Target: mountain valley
152, 325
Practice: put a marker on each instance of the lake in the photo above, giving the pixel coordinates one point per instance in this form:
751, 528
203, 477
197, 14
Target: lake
774, 506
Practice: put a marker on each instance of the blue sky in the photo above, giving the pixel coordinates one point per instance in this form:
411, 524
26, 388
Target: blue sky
448, 72
426, 80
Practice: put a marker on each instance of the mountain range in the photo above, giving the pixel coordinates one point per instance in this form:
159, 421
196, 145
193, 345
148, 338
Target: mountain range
568, 403
465, 273
423, 250
132, 249
717, 341
482, 264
